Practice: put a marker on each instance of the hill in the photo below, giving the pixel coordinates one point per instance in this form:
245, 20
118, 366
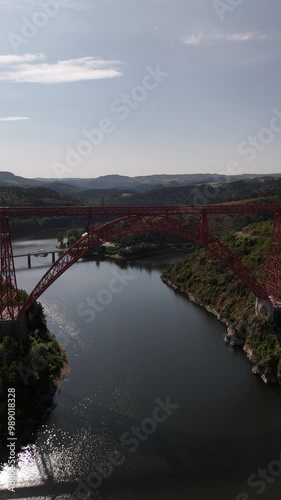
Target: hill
36, 196
199, 194
9, 179
39, 196
138, 183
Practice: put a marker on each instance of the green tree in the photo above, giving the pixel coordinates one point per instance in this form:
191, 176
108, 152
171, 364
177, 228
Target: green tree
71, 240
60, 238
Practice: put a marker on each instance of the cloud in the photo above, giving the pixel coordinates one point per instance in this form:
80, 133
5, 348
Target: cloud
17, 4
203, 39
29, 70
14, 118
14, 59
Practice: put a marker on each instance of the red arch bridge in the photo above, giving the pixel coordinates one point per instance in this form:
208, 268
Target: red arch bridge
189, 222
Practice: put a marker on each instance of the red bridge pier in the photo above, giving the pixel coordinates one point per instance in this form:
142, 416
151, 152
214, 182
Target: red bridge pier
10, 323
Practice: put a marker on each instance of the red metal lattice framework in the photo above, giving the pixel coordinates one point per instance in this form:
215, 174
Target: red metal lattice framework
170, 219
137, 224
75, 211
273, 275
8, 292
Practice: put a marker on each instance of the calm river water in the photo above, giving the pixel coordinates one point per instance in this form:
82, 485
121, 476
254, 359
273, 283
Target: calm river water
132, 345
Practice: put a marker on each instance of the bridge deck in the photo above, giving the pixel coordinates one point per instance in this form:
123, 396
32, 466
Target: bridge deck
228, 209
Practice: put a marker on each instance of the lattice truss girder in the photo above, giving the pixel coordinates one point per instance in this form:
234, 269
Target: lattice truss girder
177, 225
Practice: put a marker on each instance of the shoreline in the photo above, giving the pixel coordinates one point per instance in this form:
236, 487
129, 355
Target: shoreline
93, 255
64, 370
192, 299
63, 374
153, 253
232, 337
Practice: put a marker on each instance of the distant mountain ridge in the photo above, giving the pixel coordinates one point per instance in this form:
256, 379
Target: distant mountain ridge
9, 179
44, 195
71, 186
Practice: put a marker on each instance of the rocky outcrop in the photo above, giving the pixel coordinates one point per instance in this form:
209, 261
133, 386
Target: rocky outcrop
250, 355
269, 378
236, 338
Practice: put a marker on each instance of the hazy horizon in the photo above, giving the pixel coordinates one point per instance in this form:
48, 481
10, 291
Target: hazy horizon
114, 174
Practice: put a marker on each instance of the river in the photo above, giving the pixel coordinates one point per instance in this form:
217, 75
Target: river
134, 346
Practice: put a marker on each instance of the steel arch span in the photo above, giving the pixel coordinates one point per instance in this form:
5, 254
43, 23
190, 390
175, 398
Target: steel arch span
137, 224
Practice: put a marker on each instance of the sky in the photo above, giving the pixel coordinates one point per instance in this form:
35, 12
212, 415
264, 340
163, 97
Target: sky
137, 87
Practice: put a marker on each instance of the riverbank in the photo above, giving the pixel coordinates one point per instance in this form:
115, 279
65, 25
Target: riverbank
154, 253
64, 371
209, 284
235, 338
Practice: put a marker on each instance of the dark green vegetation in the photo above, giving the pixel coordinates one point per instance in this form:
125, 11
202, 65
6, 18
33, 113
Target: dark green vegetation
131, 246
36, 197
32, 372
22, 196
212, 285
200, 189
204, 194
141, 244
